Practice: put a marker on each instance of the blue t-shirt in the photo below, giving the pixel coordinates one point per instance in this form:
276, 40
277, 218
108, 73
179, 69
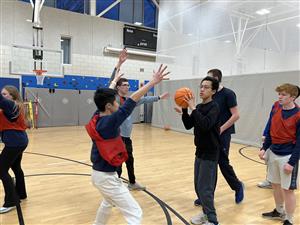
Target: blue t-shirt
226, 99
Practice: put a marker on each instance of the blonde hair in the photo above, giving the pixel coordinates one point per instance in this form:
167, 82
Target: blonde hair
13, 91
291, 89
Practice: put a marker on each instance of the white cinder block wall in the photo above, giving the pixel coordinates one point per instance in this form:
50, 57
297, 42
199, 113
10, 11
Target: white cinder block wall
89, 35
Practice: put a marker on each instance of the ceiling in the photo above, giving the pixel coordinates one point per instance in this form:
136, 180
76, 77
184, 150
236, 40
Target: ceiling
215, 20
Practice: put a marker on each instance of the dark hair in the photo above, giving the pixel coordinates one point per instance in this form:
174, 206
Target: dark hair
214, 82
298, 91
120, 82
104, 96
216, 73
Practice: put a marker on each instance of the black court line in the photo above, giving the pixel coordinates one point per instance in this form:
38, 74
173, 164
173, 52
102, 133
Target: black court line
162, 204
242, 154
168, 217
58, 157
19, 211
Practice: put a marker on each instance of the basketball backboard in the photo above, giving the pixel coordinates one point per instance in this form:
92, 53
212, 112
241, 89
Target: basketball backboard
22, 62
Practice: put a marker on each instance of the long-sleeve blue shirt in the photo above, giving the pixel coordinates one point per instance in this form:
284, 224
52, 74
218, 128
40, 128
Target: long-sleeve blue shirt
126, 127
108, 127
12, 138
287, 148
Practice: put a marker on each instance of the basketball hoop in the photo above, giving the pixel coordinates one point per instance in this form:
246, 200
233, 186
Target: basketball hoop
39, 76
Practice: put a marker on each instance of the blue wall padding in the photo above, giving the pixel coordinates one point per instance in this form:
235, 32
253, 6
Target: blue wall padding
73, 82
9, 81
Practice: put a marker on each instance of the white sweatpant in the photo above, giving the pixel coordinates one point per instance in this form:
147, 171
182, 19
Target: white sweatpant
115, 193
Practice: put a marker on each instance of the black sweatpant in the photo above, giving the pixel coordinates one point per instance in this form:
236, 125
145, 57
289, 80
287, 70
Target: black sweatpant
11, 157
129, 162
224, 164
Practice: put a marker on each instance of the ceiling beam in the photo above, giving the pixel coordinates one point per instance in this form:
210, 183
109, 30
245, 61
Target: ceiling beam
155, 3
109, 8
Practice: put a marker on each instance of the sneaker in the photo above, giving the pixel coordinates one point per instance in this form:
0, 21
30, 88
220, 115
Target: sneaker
197, 202
199, 219
265, 184
136, 186
287, 222
6, 209
239, 195
275, 215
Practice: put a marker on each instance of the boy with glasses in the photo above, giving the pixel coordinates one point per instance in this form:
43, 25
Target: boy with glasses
205, 120
122, 86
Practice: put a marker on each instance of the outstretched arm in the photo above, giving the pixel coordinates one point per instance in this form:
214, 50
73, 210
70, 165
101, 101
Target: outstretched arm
151, 99
122, 58
113, 83
158, 76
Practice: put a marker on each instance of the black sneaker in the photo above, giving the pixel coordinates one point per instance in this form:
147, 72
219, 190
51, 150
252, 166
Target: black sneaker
273, 215
286, 222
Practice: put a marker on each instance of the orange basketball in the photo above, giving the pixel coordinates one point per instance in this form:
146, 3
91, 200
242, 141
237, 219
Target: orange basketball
179, 96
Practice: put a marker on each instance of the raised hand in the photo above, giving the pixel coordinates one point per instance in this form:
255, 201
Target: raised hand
123, 56
160, 75
165, 95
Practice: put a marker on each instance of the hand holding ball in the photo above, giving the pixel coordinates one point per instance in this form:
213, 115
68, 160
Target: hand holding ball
180, 95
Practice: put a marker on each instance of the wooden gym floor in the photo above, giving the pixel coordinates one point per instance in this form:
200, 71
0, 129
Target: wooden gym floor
57, 169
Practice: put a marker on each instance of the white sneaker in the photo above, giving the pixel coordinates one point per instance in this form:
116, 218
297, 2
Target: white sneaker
265, 184
199, 219
6, 209
136, 186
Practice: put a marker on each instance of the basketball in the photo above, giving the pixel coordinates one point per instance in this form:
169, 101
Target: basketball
179, 96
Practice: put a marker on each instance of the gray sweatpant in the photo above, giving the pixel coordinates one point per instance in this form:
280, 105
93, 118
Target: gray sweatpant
205, 177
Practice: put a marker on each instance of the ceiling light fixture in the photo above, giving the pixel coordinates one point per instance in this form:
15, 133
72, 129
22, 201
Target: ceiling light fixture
263, 12
138, 23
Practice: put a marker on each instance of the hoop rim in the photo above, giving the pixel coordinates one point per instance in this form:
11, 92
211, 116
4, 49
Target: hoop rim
39, 72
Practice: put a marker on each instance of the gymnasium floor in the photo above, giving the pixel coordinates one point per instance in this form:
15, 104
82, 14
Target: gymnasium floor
57, 169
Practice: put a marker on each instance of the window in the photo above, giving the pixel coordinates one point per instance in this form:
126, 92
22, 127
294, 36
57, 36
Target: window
66, 48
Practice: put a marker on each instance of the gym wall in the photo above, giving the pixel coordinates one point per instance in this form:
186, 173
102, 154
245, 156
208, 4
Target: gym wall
255, 95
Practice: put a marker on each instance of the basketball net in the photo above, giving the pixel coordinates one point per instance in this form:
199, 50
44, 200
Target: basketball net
39, 76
